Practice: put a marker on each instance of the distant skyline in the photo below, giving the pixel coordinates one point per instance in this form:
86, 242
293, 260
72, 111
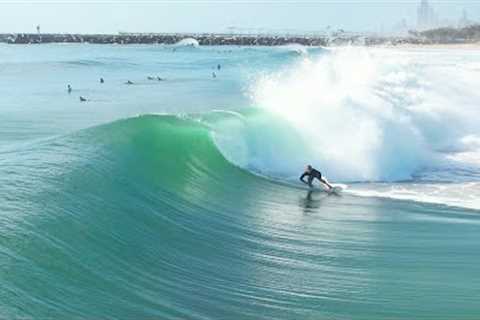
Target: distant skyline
108, 16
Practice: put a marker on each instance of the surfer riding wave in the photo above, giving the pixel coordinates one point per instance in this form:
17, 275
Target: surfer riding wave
312, 173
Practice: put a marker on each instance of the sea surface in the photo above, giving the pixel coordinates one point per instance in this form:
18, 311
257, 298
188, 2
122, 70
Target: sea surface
179, 198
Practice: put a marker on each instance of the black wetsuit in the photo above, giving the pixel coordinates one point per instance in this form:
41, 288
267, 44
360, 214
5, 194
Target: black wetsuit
311, 175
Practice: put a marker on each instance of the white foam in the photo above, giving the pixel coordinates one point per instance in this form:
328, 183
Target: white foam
367, 115
188, 42
374, 114
465, 195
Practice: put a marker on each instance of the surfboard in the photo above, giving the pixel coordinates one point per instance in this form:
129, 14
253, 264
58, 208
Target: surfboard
335, 190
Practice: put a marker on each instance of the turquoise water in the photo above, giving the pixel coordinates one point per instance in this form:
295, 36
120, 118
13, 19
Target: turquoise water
178, 199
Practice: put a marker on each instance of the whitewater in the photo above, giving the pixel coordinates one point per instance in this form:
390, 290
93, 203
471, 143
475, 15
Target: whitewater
180, 198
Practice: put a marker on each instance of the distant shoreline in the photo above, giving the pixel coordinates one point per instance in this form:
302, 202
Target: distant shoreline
232, 39
462, 46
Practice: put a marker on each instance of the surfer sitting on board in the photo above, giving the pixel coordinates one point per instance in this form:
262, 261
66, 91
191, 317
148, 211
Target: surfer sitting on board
312, 174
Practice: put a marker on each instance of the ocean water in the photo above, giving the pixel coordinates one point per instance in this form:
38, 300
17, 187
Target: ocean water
179, 199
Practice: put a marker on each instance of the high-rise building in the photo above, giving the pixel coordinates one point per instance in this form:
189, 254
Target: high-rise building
426, 17
464, 22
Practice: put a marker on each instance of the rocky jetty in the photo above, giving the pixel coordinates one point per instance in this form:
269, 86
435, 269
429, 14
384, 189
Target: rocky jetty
125, 38
444, 35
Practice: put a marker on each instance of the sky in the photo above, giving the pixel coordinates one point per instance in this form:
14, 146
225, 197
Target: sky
108, 16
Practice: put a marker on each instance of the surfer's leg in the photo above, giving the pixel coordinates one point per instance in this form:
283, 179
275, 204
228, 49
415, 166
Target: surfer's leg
310, 179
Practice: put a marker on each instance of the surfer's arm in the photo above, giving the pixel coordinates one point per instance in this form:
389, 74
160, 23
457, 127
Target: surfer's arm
325, 183
303, 176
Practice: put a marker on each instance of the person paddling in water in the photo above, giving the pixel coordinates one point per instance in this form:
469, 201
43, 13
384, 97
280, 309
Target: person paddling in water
312, 173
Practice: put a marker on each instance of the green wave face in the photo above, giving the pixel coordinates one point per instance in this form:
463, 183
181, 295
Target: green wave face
129, 211
168, 154
146, 218
166, 151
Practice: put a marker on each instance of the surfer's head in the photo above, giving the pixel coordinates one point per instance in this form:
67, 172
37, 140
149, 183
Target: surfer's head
308, 168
